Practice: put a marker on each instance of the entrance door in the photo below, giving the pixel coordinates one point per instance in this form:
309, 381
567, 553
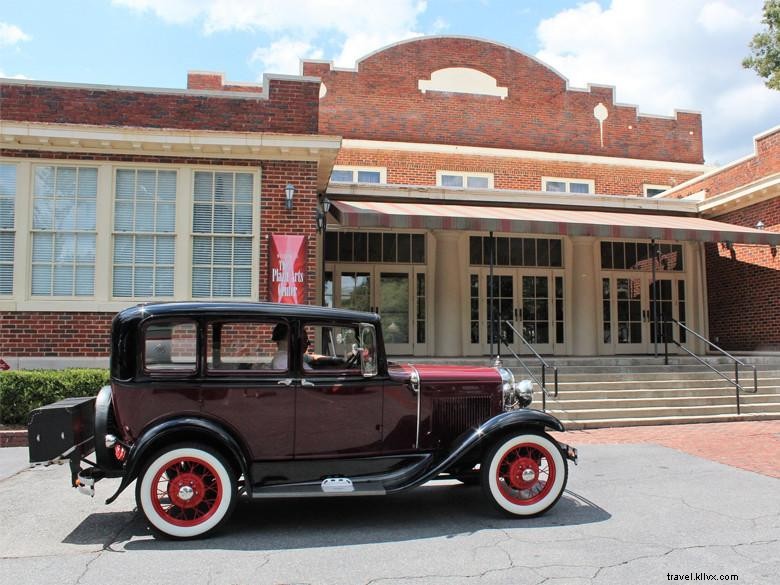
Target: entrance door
627, 311
395, 292
531, 300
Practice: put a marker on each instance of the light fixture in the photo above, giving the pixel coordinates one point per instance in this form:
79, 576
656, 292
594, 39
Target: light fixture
325, 205
760, 225
289, 191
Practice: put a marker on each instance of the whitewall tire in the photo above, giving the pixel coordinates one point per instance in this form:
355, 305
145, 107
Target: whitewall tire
186, 491
524, 475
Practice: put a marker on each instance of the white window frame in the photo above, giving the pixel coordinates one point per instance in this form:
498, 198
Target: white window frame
254, 235
12, 228
356, 169
102, 300
75, 232
115, 233
648, 186
568, 181
465, 174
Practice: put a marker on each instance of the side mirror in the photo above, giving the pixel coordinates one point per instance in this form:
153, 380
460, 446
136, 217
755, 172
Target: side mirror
367, 351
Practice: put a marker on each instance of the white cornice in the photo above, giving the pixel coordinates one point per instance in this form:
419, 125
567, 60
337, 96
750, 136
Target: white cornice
744, 196
351, 144
508, 197
174, 143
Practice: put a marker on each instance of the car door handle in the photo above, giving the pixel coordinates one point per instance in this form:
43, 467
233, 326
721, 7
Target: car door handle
285, 382
306, 383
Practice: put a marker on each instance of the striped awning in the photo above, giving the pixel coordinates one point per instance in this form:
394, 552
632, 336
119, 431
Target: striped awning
602, 224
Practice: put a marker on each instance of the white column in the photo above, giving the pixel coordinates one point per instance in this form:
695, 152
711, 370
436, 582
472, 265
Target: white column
584, 308
448, 308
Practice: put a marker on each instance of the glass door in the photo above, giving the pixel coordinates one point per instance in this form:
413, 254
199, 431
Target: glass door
627, 311
531, 300
397, 293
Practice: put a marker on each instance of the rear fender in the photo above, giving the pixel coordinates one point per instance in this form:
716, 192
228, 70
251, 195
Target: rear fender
176, 430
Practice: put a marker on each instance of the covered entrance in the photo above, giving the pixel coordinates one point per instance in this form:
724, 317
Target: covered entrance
571, 282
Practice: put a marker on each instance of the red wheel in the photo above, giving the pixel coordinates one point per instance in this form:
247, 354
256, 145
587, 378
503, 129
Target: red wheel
524, 475
186, 491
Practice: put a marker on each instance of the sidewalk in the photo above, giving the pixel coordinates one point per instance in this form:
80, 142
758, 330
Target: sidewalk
754, 446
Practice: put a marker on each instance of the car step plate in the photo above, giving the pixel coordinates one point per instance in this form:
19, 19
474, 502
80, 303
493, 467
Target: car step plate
337, 485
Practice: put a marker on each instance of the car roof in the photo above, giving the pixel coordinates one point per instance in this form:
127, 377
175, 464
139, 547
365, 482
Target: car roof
241, 309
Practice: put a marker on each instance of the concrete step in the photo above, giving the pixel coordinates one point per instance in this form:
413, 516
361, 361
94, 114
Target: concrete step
631, 404
661, 411
661, 384
660, 393
641, 376
600, 423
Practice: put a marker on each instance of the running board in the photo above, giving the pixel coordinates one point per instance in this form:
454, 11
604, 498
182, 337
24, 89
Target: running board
330, 487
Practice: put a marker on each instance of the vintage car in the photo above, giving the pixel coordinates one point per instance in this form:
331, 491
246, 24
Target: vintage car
209, 402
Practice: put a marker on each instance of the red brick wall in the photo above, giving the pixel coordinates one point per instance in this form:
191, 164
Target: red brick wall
77, 334
764, 163
381, 101
415, 168
55, 334
292, 107
216, 82
744, 286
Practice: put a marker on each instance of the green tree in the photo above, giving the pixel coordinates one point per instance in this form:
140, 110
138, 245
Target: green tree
765, 47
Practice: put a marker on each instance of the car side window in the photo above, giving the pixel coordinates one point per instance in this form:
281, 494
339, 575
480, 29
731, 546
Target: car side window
331, 349
171, 347
261, 346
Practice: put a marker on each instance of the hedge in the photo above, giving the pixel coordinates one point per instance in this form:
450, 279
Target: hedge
24, 390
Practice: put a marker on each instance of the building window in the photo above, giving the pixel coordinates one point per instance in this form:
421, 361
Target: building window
222, 228
637, 256
144, 226
375, 247
63, 246
543, 252
653, 190
464, 180
358, 175
557, 185
7, 212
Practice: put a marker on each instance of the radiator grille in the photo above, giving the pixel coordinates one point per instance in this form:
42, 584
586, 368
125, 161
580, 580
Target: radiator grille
452, 416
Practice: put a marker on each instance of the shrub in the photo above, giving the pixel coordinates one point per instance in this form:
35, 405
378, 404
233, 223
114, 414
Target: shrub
22, 391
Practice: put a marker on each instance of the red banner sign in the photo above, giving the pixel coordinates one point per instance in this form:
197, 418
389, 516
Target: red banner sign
287, 269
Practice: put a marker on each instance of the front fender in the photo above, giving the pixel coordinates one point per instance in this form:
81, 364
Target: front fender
192, 427
525, 418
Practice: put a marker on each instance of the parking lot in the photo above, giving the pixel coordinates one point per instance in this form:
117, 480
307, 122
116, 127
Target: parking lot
641, 511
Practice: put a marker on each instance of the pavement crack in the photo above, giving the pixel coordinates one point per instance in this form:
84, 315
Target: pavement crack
87, 567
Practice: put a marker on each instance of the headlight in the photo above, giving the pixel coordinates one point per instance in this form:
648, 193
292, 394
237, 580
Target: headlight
515, 394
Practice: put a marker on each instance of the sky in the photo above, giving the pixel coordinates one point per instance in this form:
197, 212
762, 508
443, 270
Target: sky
660, 55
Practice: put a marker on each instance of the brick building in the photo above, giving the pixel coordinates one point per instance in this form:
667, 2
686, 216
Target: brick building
465, 179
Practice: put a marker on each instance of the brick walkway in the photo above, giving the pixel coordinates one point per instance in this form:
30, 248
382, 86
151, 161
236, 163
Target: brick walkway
754, 446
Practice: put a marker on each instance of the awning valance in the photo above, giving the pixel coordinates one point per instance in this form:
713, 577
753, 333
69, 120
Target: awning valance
567, 222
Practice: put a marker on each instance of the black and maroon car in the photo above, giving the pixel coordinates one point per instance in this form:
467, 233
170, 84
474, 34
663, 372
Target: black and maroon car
212, 401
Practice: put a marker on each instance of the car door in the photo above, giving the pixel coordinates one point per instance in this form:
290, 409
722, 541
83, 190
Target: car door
338, 412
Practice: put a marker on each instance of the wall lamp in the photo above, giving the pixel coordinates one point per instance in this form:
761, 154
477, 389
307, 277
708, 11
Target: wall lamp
760, 225
322, 214
289, 192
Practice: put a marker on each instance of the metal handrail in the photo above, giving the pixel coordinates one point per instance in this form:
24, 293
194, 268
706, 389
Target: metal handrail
543, 383
737, 362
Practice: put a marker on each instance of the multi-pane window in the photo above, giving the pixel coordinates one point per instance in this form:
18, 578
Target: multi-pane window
467, 180
144, 226
638, 256
7, 210
222, 228
543, 252
375, 247
356, 176
63, 246
653, 190
567, 185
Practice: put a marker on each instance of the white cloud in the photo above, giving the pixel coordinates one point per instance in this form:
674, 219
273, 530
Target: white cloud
284, 55
356, 26
667, 54
11, 34
6, 76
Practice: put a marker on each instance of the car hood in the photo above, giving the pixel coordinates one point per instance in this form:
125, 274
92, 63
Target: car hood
444, 372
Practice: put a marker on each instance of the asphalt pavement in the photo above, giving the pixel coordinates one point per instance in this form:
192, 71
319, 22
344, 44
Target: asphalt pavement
632, 514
